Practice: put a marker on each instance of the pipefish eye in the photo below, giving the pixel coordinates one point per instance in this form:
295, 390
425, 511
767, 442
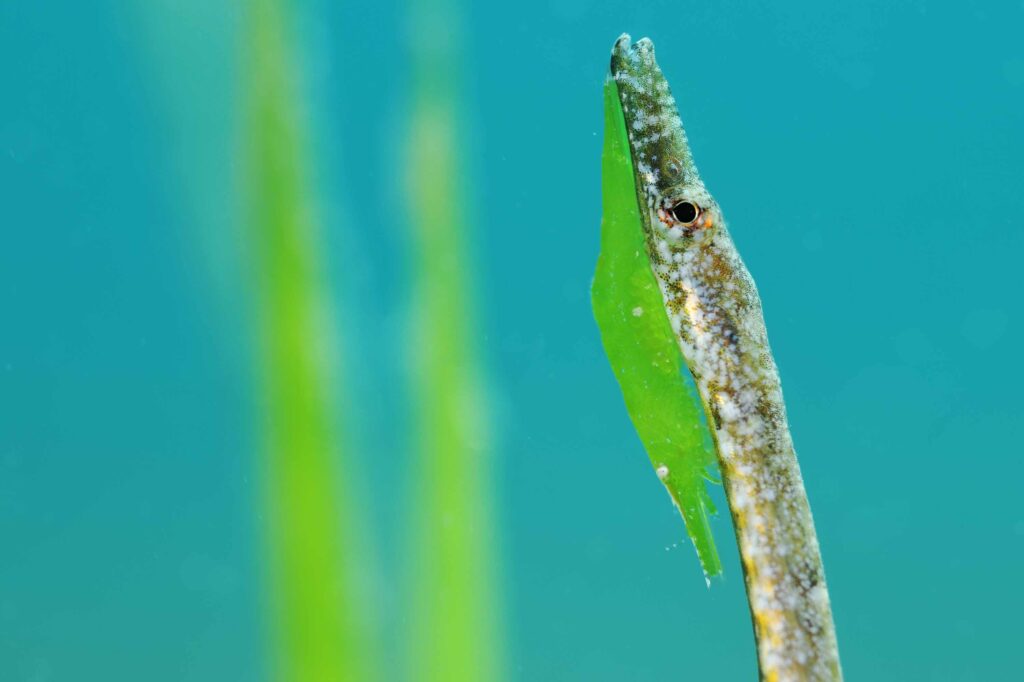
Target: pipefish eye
685, 212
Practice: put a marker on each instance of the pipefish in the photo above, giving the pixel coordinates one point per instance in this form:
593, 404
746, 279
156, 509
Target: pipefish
682, 325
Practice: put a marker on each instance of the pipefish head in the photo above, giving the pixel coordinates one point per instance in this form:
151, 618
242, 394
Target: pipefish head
679, 207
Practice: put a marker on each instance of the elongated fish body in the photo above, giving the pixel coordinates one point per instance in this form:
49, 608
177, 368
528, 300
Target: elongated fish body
715, 313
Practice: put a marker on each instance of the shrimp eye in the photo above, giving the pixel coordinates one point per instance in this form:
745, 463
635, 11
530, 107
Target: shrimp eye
685, 212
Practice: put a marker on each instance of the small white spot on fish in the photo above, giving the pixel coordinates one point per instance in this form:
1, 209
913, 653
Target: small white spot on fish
638, 311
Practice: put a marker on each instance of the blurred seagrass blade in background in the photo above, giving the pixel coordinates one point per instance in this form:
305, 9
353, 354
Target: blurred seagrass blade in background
455, 620
319, 625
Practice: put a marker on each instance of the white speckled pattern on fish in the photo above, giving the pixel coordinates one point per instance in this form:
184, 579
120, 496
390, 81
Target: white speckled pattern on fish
715, 311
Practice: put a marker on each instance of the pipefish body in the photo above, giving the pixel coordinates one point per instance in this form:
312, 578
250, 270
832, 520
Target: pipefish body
710, 304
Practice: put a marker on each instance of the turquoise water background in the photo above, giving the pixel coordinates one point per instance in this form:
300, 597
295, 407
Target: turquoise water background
867, 157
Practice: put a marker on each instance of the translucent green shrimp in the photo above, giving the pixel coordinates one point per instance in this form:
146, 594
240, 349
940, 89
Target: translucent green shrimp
675, 304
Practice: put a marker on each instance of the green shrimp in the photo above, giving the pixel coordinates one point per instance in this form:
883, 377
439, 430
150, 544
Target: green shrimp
667, 258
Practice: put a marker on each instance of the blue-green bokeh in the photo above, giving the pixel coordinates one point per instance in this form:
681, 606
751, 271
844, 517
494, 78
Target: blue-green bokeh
867, 157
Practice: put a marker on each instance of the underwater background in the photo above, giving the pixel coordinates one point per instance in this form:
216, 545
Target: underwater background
212, 211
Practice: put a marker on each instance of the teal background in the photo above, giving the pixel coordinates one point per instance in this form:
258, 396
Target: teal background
867, 157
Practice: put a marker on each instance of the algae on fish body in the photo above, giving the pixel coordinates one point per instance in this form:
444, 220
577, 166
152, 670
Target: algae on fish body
659, 391
318, 624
